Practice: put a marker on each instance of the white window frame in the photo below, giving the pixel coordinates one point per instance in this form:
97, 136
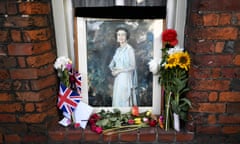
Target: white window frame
63, 23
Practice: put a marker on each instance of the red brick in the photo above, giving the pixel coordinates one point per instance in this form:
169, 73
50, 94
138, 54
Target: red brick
91, 136
14, 107
11, 138
213, 60
6, 97
7, 118
216, 73
225, 19
45, 105
236, 60
46, 70
29, 73
233, 108
219, 47
196, 19
34, 138
129, 136
44, 82
9, 62
229, 119
36, 35
41, 47
222, 85
22, 62
211, 108
184, 136
215, 5
5, 85
237, 15
2, 7
147, 134
56, 135
40, 60
215, 33
21, 85
200, 73
213, 96
166, 136
3, 36
17, 49
29, 107
201, 46
4, 74
28, 96
32, 118
11, 7
1, 135
110, 138
35, 96
208, 129
212, 119
229, 97
231, 129
210, 19
197, 96
22, 22
74, 135
16, 35
34, 8
231, 72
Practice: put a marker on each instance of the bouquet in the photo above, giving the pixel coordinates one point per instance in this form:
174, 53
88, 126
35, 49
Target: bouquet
173, 76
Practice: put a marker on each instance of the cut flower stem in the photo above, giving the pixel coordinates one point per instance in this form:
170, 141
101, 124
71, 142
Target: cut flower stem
126, 128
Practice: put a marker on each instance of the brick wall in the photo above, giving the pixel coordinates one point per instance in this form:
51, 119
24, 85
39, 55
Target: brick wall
28, 82
27, 79
212, 37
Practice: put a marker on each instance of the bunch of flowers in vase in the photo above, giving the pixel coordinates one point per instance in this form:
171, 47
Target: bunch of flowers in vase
173, 77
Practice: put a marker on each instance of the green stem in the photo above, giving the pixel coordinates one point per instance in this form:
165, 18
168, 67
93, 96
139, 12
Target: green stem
167, 111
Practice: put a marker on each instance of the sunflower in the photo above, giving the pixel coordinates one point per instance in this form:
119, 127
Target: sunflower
171, 61
183, 60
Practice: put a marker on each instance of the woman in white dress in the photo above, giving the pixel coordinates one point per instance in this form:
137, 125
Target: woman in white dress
123, 68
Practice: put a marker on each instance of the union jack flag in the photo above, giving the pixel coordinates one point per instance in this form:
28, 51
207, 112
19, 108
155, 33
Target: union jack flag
78, 82
67, 100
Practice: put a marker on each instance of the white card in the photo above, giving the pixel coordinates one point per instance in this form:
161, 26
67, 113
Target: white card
82, 113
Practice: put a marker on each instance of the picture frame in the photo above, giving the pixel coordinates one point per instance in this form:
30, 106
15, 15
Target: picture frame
96, 35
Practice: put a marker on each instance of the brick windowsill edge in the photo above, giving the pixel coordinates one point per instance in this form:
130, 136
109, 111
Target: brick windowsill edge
58, 133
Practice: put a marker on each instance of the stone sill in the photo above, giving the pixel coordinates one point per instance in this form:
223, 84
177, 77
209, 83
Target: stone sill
58, 134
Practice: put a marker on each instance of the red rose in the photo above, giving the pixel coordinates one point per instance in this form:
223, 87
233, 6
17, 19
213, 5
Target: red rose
170, 36
130, 121
95, 116
98, 130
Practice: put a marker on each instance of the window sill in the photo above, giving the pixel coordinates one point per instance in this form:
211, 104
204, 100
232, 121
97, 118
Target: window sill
58, 133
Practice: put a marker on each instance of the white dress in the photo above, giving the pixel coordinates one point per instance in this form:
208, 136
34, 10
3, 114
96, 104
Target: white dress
125, 83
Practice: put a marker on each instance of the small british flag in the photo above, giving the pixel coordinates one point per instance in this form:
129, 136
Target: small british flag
67, 100
78, 82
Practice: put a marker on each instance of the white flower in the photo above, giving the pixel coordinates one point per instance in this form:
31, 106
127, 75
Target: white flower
175, 50
153, 66
61, 63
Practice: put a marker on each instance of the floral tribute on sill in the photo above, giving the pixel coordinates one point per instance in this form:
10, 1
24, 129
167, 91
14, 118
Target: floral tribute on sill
113, 122
69, 97
173, 77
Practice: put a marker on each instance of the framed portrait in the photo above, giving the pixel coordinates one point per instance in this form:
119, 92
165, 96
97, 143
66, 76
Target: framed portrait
97, 44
